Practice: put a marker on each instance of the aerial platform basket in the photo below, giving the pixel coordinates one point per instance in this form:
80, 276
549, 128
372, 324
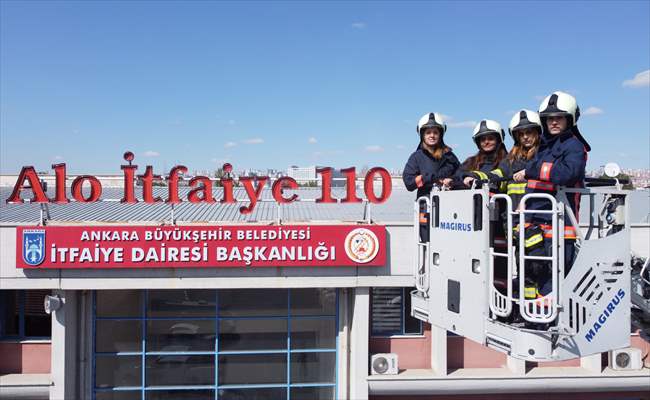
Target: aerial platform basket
588, 308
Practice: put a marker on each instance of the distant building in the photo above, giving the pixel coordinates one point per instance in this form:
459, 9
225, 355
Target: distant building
307, 175
302, 174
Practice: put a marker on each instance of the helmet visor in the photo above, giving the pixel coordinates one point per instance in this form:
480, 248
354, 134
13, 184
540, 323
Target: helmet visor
486, 133
558, 113
530, 125
431, 125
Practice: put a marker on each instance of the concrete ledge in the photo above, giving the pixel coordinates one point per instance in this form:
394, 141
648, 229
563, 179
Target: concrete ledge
25, 386
502, 380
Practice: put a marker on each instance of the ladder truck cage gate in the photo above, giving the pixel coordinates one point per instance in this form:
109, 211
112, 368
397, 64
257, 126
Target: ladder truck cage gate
586, 312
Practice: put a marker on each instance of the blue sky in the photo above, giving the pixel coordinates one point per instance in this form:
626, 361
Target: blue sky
271, 84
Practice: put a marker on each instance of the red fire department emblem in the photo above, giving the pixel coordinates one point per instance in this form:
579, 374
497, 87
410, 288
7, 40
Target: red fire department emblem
361, 245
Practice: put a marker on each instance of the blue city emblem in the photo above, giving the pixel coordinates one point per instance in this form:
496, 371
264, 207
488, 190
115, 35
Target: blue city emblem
33, 246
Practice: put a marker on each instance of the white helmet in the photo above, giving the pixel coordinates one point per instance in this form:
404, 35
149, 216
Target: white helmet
524, 119
560, 103
487, 127
431, 120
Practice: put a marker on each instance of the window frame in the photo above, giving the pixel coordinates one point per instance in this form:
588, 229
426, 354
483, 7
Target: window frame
20, 337
406, 291
216, 352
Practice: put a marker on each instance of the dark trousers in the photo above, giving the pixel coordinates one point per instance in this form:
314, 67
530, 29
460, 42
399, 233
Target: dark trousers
538, 273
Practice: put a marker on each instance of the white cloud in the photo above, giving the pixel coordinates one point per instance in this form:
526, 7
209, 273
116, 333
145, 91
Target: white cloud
539, 98
57, 158
374, 148
593, 111
151, 153
400, 147
461, 124
229, 144
231, 122
642, 79
359, 25
254, 141
312, 140
452, 123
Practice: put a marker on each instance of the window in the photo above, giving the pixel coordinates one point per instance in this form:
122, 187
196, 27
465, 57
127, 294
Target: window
390, 313
22, 315
215, 344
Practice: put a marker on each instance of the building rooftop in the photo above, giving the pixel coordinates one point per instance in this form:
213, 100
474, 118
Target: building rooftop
397, 209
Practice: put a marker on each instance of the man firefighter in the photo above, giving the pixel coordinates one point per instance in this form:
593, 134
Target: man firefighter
560, 161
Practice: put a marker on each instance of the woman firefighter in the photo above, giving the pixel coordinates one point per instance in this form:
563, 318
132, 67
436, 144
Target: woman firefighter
526, 130
488, 137
432, 162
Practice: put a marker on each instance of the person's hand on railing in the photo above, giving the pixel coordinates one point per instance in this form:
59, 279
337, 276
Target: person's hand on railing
493, 180
471, 182
446, 183
467, 181
519, 176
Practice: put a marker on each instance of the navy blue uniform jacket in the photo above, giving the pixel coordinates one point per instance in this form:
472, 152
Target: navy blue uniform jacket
422, 171
487, 166
560, 161
507, 168
483, 171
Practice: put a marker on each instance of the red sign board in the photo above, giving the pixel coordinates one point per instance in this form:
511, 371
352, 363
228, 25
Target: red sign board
93, 247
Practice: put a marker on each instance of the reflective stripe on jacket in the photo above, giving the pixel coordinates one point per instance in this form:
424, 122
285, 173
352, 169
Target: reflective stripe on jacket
422, 171
516, 188
560, 161
569, 231
483, 172
507, 168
